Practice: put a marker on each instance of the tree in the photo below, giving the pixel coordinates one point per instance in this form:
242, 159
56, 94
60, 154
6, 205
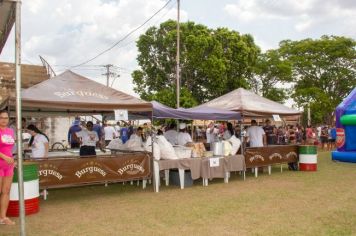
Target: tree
323, 71
213, 62
272, 71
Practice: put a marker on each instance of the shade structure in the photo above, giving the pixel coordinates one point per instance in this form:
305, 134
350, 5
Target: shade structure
161, 111
250, 104
72, 93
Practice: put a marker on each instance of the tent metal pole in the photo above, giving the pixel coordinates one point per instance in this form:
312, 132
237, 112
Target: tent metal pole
178, 55
153, 137
19, 116
241, 136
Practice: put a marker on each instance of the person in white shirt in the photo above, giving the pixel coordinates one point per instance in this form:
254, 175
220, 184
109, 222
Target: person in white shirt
109, 133
38, 142
214, 132
256, 135
183, 137
117, 129
208, 131
88, 140
172, 135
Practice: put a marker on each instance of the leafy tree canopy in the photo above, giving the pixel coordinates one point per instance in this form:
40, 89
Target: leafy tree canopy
213, 62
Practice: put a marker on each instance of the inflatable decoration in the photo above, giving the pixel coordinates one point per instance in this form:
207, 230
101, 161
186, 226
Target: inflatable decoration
346, 130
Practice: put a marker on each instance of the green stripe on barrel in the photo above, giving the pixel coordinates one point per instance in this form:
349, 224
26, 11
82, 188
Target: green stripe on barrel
307, 149
30, 172
348, 119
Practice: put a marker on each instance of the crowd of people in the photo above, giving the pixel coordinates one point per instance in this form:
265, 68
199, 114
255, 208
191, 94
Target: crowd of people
258, 135
88, 136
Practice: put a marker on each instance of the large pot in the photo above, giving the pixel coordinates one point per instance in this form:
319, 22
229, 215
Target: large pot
218, 148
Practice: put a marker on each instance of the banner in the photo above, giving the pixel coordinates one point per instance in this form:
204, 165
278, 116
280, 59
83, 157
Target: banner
269, 155
71, 171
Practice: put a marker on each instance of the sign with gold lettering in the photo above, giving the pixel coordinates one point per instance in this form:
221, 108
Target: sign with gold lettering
269, 155
61, 172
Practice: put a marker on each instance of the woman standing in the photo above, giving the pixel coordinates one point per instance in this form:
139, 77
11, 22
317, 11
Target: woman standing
7, 141
228, 132
38, 142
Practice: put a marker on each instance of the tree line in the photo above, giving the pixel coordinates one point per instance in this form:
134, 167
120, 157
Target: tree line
317, 73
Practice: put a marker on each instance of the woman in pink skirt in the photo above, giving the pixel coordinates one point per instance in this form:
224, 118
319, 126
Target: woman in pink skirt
7, 141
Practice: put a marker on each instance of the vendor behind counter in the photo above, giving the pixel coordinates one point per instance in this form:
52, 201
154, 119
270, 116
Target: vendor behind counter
88, 140
183, 137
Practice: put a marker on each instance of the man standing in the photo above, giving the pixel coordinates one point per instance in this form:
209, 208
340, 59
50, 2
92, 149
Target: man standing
256, 135
88, 140
270, 133
332, 138
109, 133
74, 143
171, 135
124, 134
130, 129
117, 129
183, 137
98, 129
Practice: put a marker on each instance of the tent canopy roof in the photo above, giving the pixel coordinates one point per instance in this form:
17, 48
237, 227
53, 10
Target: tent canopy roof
73, 93
161, 111
250, 104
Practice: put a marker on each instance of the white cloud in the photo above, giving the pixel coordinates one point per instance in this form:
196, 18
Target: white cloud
303, 15
69, 32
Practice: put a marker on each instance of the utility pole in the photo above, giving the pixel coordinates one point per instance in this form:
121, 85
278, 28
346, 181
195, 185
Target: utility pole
178, 54
109, 73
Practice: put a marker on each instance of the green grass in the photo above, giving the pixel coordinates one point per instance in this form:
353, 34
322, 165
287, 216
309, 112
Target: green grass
288, 203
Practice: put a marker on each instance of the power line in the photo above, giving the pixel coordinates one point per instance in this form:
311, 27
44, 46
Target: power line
125, 37
134, 40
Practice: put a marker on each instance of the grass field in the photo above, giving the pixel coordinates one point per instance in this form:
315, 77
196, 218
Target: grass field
288, 203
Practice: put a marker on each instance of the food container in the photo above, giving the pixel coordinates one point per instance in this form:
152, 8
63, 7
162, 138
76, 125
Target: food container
208, 154
218, 148
183, 152
198, 150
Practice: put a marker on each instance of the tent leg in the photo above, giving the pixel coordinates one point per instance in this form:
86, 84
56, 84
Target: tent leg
156, 176
166, 176
181, 178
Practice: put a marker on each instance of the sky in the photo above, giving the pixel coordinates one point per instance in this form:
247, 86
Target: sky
67, 32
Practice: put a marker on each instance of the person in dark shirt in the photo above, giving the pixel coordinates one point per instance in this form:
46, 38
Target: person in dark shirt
271, 133
98, 129
130, 130
332, 138
324, 138
71, 132
124, 134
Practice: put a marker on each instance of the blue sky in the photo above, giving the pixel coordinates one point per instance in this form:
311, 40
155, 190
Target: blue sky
68, 32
